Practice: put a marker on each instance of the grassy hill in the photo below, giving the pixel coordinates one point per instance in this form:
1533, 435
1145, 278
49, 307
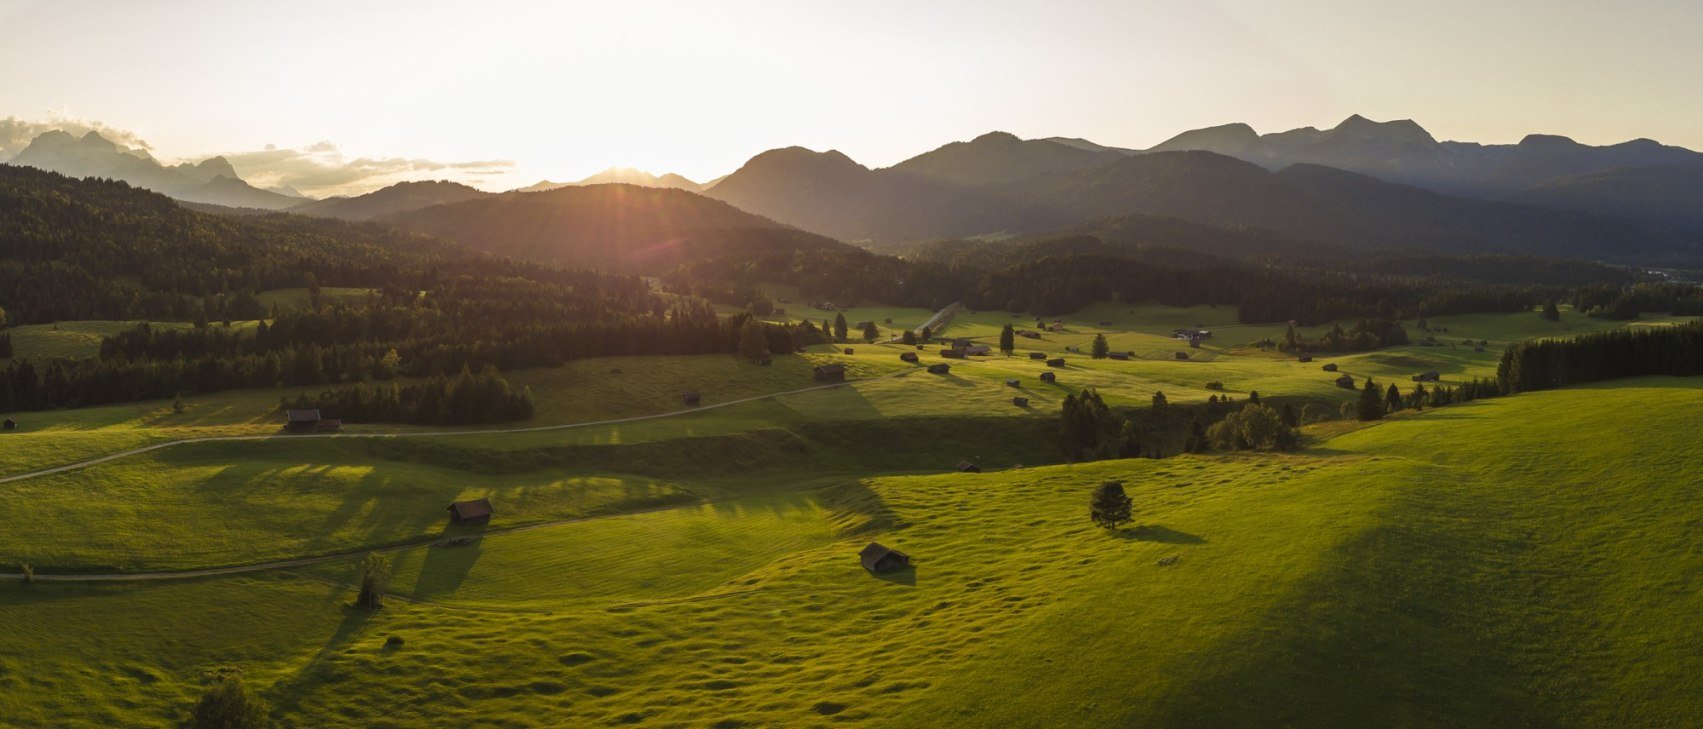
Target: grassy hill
1470, 566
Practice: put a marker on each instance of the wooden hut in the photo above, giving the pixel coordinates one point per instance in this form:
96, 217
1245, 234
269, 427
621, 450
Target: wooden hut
1306, 358
847, 350
1037, 355
952, 353
473, 511
830, 373
301, 421
9, 424
1049, 377
939, 369
691, 398
1011, 383
1182, 355
1121, 356
1431, 376
1021, 402
968, 467
878, 559
1345, 382
978, 350
909, 357
862, 325
1330, 367
1055, 362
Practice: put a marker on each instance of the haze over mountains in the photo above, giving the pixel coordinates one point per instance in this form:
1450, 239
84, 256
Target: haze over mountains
1358, 185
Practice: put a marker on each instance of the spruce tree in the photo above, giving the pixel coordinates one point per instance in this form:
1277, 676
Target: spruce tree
1159, 400
1007, 340
375, 572
909, 338
1550, 311
840, 327
1371, 406
1393, 398
1100, 349
1111, 507
870, 332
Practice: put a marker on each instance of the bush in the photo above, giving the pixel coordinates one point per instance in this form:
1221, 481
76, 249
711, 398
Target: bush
229, 704
1215, 385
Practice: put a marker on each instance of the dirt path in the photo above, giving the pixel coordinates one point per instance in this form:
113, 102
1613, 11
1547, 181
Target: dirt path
433, 434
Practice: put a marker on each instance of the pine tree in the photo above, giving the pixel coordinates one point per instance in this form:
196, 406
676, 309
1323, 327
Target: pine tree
840, 327
1007, 340
1371, 405
1392, 398
1159, 400
927, 334
870, 332
1100, 349
375, 572
1550, 311
753, 340
1196, 442
909, 338
1111, 507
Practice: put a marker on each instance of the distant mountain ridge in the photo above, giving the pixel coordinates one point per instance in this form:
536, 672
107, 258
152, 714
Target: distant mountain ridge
400, 197
621, 176
213, 180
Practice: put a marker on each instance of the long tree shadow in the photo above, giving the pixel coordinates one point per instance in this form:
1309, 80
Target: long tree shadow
1157, 533
287, 695
449, 561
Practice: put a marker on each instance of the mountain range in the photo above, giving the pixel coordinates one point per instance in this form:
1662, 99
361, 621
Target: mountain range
211, 181
621, 176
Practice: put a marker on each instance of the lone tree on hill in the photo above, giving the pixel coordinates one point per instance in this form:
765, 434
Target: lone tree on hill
375, 572
1159, 400
1551, 312
870, 333
1110, 507
1371, 406
229, 704
1007, 340
1100, 349
840, 327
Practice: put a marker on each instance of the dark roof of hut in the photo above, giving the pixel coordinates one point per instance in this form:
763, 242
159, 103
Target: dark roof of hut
471, 509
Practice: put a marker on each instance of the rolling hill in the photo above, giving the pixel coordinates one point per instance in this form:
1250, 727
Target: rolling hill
400, 197
622, 176
623, 228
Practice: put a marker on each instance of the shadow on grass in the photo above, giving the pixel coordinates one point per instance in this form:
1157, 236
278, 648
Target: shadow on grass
445, 566
1157, 533
286, 695
906, 576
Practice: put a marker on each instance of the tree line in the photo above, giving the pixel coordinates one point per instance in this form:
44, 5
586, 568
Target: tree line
469, 399
1630, 352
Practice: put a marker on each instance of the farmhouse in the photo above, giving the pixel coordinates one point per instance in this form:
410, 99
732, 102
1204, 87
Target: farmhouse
301, 421
1055, 362
1431, 376
830, 373
1037, 355
878, 559
952, 353
474, 511
1021, 402
1049, 377
939, 369
908, 356
1345, 382
968, 467
691, 398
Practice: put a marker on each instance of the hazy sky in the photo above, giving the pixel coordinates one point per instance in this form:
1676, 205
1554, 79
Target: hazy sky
562, 89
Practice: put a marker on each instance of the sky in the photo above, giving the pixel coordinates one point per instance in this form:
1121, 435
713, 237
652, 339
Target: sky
343, 97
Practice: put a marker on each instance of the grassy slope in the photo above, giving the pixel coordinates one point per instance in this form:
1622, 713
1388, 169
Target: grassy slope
1506, 562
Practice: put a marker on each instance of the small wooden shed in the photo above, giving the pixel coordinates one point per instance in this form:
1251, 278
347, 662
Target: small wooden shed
691, 397
1330, 367
939, 369
968, 467
472, 511
1021, 402
847, 350
878, 558
1345, 382
1011, 383
952, 353
1122, 356
830, 373
1182, 355
1037, 355
908, 356
1049, 377
301, 421
9, 424
1431, 376
1055, 362
1306, 358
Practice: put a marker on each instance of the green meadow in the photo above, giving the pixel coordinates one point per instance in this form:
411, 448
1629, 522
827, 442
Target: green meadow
1522, 561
